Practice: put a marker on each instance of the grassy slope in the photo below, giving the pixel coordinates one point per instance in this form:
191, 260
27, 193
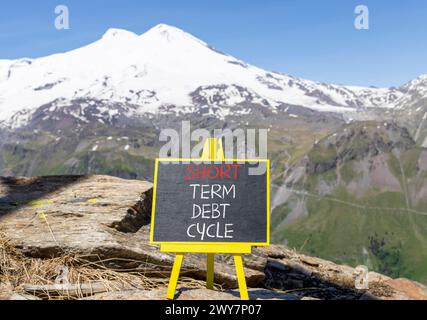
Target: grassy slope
363, 230
43, 154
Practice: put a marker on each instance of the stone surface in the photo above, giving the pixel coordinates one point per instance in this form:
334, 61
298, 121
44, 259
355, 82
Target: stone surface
407, 290
101, 217
20, 296
156, 294
6, 291
160, 294
192, 294
107, 218
288, 270
205, 294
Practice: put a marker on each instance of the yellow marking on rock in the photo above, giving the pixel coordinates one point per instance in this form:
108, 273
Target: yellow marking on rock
39, 203
42, 216
93, 200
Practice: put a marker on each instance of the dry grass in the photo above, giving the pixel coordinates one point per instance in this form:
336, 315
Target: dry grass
17, 271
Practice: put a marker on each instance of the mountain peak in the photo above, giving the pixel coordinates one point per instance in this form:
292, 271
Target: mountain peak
169, 33
421, 80
115, 33
166, 27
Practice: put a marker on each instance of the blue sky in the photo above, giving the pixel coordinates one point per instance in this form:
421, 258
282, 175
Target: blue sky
307, 38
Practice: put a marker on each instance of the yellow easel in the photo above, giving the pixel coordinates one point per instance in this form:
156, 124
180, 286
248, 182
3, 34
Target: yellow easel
212, 151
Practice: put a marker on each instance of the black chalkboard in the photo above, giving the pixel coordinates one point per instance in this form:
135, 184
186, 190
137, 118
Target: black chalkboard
210, 203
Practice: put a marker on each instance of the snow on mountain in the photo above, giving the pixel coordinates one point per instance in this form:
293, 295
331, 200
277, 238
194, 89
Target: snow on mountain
415, 92
165, 67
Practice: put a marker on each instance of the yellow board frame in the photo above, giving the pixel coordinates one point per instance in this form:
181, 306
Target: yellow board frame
212, 152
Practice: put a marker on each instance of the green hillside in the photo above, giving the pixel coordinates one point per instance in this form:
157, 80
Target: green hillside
364, 196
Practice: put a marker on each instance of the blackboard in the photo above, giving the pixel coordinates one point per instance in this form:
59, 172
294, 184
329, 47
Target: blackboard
210, 203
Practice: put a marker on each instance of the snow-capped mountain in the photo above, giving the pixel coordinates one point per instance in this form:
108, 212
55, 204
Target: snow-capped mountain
165, 68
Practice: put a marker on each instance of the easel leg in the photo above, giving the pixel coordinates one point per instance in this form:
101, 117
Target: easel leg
210, 270
174, 276
241, 277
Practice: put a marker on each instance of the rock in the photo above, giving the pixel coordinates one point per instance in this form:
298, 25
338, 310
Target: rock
80, 214
156, 294
310, 261
367, 296
323, 279
102, 218
254, 294
107, 219
67, 290
299, 268
192, 294
275, 251
296, 271
6, 291
264, 294
278, 265
20, 296
205, 294
160, 294
257, 260
407, 290
309, 298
